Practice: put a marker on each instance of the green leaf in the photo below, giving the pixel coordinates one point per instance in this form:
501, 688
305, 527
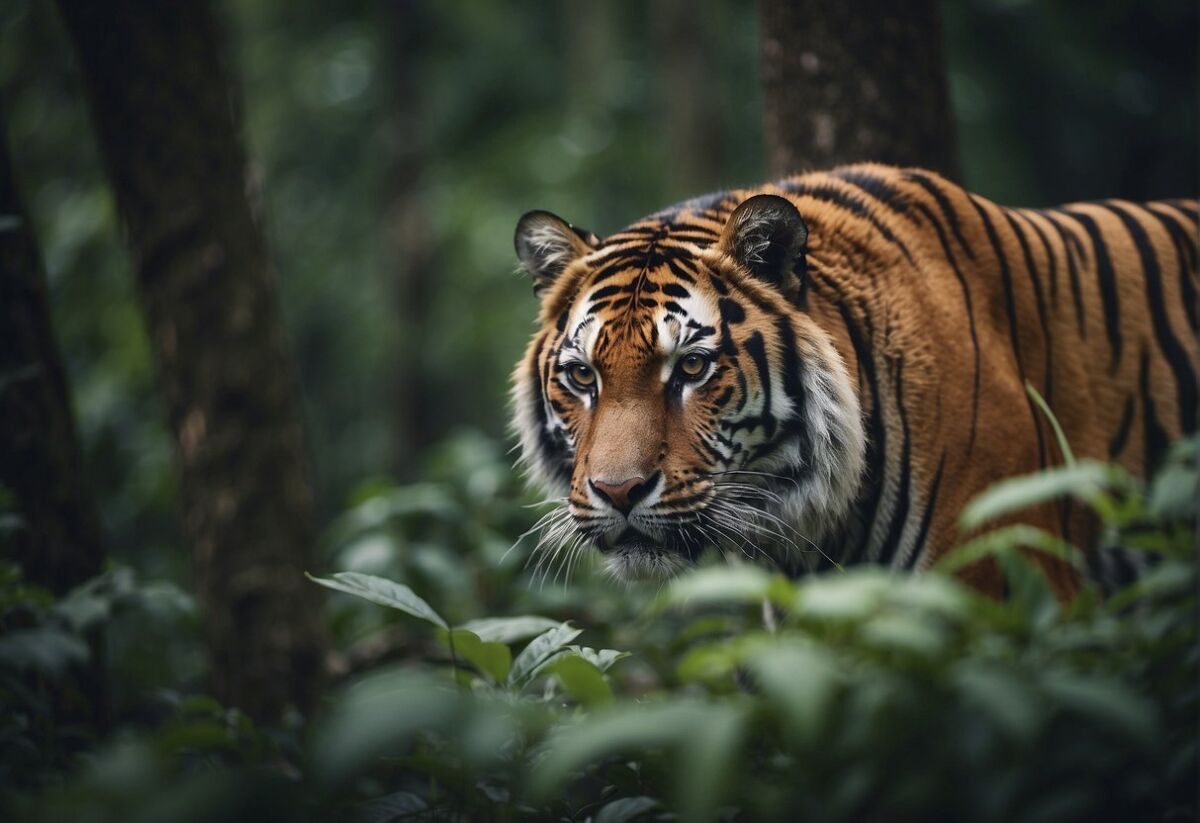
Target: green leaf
602, 659
709, 752
801, 679
539, 651
493, 659
509, 629
1029, 590
625, 809
1005, 541
1085, 481
42, 648
736, 583
581, 679
383, 592
619, 728
1107, 701
1001, 696
850, 597
379, 715
1040, 402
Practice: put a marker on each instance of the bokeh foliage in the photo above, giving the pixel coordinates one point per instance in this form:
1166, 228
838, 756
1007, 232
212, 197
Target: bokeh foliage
870, 696
529, 105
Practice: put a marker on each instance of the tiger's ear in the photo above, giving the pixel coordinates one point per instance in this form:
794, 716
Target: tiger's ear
766, 236
546, 244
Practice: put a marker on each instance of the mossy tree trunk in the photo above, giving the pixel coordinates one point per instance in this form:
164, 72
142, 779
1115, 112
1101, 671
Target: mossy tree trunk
847, 82
167, 111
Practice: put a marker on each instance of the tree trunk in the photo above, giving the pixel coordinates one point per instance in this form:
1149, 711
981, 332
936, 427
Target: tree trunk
846, 82
692, 124
58, 544
168, 115
413, 255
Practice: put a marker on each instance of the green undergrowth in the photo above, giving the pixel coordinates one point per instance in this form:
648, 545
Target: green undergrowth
862, 695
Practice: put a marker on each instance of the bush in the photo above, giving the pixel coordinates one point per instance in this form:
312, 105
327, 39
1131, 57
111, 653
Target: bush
867, 695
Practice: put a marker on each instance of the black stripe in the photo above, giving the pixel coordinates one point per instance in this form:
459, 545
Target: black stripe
1072, 272
1185, 253
876, 187
852, 204
1010, 303
1153, 437
1117, 445
1050, 258
962, 282
903, 503
876, 440
927, 517
1107, 281
1014, 334
1176, 357
1048, 350
947, 208
755, 347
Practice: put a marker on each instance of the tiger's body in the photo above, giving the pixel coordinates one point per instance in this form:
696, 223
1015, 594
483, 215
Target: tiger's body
826, 369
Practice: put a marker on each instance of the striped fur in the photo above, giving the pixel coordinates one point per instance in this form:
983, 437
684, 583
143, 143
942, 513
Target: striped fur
853, 407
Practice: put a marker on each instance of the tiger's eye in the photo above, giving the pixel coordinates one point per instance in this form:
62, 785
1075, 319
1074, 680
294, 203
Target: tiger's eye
581, 375
693, 365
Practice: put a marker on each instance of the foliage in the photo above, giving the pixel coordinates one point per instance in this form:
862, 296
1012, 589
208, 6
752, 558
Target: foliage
869, 695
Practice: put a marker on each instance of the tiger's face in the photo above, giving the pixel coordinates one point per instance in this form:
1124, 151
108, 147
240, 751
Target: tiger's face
676, 399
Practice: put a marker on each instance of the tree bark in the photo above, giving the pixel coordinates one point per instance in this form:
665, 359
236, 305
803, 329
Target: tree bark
847, 82
413, 254
168, 116
58, 543
691, 121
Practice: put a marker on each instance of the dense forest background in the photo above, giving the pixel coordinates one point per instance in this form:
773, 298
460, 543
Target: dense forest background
391, 148
396, 144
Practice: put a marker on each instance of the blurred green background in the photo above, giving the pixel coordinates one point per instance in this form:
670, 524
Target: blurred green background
396, 145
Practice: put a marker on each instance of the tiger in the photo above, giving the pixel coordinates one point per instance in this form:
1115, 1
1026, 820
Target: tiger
822, 371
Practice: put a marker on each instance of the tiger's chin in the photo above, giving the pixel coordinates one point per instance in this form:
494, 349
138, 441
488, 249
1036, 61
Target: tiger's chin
639, 557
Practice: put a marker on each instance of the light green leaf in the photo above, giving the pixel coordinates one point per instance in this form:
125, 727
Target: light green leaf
1005, 541
849, 597
493, 659
602, 659
1059, 436
1084, 481
581, 679
509, 629
383, 592
44, 649
540, 650
801, 679
737, 583
620, 728
625, 809
377, 716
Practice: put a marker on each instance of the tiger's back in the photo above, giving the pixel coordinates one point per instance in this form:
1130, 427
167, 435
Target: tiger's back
1093, 304
937, 307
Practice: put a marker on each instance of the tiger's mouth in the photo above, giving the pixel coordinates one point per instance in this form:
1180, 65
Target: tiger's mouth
636, 555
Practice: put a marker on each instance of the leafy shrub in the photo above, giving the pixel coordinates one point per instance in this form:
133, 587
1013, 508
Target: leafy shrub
865, 695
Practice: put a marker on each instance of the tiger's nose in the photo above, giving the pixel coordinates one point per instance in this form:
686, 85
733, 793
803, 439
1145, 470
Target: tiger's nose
624, 495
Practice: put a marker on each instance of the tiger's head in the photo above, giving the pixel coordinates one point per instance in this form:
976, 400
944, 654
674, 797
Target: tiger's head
676, 397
